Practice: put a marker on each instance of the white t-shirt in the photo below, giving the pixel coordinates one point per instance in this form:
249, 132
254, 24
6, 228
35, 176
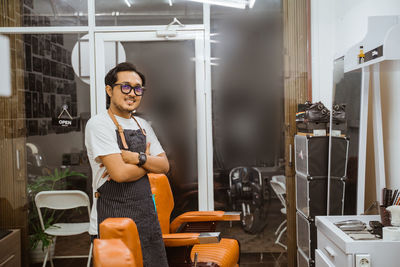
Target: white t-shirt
101, 140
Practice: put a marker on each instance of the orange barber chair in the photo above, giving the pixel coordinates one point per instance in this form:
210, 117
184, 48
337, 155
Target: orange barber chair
224, 253
119, 244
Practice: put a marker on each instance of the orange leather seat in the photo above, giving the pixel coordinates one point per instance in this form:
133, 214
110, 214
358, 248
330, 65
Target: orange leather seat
223, 254
119, 244
112, 253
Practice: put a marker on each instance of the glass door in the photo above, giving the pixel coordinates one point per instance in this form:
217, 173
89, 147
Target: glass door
174, 103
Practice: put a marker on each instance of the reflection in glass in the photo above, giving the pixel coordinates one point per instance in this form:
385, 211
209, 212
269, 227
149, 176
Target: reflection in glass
44, 155
169, 103
248, 138
145, 12
347, 91
53, 13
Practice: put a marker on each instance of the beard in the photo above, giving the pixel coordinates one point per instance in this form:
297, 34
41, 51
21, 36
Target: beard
125, 108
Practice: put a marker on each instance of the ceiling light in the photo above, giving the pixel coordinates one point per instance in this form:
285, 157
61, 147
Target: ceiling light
128, 3
251, 3
228, 3
170, 2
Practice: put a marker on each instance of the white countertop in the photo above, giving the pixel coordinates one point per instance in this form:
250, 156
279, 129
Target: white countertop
326, 225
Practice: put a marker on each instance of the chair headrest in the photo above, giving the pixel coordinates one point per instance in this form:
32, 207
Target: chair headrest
124, 229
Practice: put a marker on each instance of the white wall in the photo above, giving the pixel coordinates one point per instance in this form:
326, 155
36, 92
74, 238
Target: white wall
322, 49
390, 96
338, 25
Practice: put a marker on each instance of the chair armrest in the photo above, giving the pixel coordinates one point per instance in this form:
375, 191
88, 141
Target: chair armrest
203, 216
190, 239
111, 253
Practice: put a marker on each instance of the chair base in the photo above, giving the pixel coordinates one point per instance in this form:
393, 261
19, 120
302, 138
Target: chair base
278, 240
47, 257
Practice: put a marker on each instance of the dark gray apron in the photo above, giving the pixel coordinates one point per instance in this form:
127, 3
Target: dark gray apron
134, 200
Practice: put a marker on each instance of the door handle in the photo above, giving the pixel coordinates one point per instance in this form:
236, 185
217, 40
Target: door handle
330, 252
17, 159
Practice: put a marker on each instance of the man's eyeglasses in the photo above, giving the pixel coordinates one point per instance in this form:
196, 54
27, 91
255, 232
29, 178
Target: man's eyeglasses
126, 88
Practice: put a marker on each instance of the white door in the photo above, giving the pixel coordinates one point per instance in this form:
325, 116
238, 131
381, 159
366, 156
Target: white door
175, 101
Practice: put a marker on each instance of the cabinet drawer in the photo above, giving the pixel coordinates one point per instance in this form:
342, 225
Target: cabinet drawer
10, 250
321, 260
336, 256
10, 261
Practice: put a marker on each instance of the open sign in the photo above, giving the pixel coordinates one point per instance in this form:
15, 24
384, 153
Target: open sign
64, 122
61, 122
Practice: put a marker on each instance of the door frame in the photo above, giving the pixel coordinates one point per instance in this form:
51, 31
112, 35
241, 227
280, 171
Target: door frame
203, 96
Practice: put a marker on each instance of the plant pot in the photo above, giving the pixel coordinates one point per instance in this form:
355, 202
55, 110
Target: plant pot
37, 255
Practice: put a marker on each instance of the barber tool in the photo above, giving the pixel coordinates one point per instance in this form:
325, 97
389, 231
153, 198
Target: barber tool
351, 225
384, 195
363, 236
393, 197
376, 227
390, 197
389, 192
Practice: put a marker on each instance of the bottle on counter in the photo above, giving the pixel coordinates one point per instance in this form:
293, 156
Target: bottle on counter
361, 55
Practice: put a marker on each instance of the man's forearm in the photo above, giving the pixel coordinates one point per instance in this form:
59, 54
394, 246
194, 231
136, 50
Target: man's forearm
154, 164
127, 173
133, 172
119, 170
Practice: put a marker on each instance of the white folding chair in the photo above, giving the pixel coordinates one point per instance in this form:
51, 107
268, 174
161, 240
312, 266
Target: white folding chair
278, 184
63, 200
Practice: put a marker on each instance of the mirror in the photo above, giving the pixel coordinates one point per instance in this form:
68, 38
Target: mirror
344, 139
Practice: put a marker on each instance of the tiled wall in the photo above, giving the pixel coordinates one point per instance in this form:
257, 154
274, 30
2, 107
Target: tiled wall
49, 83
49, 80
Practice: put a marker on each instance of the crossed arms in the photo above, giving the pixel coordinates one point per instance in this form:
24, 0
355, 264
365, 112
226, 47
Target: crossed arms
123, 167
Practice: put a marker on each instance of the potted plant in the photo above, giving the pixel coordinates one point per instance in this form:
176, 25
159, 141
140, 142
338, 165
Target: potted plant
39, 241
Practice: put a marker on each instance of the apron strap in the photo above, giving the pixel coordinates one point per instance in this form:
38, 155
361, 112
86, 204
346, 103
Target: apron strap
143, 131
121, 130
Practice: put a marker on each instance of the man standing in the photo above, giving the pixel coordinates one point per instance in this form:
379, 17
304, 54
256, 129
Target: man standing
122, 149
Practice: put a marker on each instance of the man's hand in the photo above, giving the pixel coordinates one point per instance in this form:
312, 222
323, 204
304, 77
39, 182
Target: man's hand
147, 149
105, 173
130, 157
133, 157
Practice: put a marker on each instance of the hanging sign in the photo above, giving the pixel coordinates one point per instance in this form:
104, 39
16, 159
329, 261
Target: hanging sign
64, 121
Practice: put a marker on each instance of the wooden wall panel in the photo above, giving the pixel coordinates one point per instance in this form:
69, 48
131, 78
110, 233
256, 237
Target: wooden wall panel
13, 178
295, 21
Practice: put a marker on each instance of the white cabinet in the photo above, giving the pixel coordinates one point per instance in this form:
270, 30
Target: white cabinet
321, 260
335, 248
